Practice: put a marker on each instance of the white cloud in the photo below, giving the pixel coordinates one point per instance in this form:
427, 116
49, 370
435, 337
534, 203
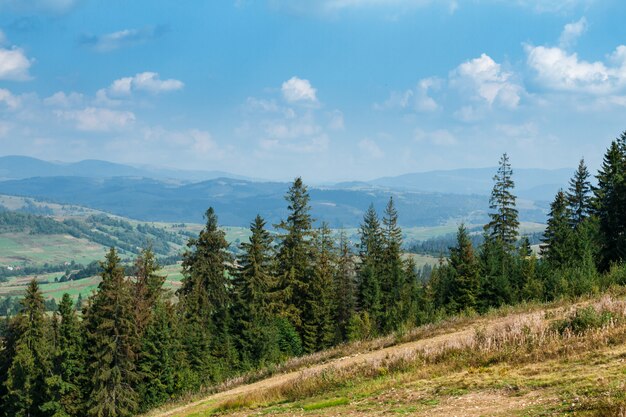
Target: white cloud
297, 89
371, 149
11, 101
95, 119
145, 81
486, 80
558, 70
122, 38
423, 102
440, 137
571, 32
396, 100
60, 99
14, 65
336, 120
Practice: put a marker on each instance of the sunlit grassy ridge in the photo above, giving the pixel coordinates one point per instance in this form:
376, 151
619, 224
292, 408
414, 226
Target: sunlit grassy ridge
564, 358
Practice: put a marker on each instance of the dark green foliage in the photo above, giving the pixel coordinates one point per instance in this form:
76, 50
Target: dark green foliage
465, 274
504, 222
557, 247
610, 204
295, 256
344, 290
370, 265
579, 195
112, 344
30, 353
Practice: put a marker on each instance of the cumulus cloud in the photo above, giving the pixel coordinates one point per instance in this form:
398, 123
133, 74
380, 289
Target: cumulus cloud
571, 32
93, 119
9, 100
487, 81
439, 137
298, 90
336, 120
61, 99
417, 99
559, 70
371, 149
145, 81
14, 65
122, 38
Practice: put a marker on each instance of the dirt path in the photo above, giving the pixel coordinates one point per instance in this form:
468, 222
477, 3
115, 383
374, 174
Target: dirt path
451, 339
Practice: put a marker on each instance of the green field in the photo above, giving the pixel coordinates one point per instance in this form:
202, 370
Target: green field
25, 249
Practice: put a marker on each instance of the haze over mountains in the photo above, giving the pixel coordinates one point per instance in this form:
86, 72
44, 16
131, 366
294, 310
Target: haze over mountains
154, 194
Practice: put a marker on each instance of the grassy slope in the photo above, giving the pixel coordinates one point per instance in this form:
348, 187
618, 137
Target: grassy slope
512, 362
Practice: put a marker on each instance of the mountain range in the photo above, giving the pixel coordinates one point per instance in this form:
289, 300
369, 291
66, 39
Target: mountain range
155, 194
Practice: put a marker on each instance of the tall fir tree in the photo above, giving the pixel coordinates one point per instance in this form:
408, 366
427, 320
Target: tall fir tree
344, 289
579, 195
65, 388
252, 286
465, 283
369, 266
504, 222
30, 362
557, 242
112, 344
392, 270
205, 301
610, 204
295, 256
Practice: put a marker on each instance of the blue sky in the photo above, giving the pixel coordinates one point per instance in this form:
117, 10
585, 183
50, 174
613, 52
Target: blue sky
329, 89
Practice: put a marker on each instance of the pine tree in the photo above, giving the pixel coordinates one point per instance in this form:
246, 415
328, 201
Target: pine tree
317, 323
504, 222
147, 288
344, 289
610, 204
392, 271
369, 267
205, 301
112, 344
557, 241
65, 387
579, 195
295, 256
253, 283
466, 272
30, 360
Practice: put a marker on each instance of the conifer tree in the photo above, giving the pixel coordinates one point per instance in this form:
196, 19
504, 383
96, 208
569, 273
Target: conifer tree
579, 195
466, 272
65, 387
112, 344
30, 360
504, 220
253, 283
204, 298
317, 323
369, 267
610, 204
557, 243
295, 256
344, 289
392, 271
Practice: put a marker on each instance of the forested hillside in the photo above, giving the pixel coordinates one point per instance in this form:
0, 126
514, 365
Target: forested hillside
134, 346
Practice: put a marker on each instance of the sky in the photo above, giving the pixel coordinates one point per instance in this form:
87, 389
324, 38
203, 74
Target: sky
330, 90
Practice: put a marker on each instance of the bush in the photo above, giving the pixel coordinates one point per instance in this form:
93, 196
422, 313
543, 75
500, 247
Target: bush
584, 319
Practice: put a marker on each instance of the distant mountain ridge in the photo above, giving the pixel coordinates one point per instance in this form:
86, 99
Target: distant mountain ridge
16, 167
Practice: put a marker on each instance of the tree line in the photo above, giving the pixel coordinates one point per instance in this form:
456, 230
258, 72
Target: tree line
134, 346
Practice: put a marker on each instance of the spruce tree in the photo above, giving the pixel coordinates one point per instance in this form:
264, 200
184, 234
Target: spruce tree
252, 286
112, 344
610, 204
392, 271
557, 241
65, 388
466, 272
344, 289
369, 266
30, 361
579, 195
204, 298
504, 222
295, 256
